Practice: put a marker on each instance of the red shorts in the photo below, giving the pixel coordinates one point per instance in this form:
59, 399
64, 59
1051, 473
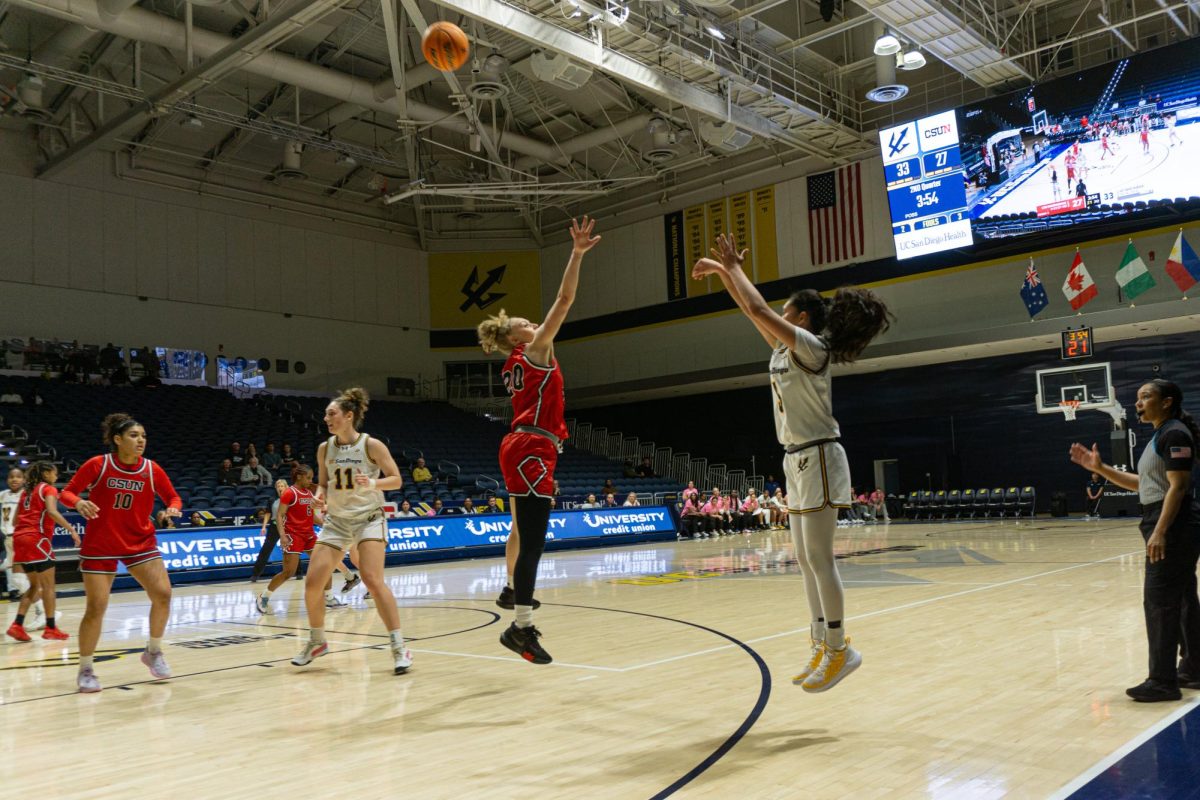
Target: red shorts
30, 548
108, 565
527, 463
300, 542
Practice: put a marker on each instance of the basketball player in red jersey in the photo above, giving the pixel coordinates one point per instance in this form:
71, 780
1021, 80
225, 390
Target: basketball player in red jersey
37, 513
529, 452
297, 513
121, 487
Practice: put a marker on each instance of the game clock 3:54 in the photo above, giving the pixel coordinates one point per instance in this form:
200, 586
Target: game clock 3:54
1076, 344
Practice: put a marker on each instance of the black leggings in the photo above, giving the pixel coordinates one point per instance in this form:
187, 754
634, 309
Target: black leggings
1169, 595
533, 518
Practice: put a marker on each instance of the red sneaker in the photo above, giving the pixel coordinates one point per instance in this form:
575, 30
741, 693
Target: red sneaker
18, 632
56, 634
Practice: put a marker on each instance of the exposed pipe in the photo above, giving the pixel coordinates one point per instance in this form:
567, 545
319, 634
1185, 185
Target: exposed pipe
111, 9
139, 24
565, 150
384, 90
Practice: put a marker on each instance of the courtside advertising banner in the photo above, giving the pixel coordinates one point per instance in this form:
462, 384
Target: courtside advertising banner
210, 548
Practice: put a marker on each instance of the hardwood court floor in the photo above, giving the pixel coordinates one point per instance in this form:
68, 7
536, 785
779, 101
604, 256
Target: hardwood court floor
995, 659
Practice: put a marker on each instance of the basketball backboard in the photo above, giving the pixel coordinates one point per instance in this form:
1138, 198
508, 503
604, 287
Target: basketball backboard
1090, 384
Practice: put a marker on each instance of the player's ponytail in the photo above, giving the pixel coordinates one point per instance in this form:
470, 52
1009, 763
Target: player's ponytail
115, 425
38, 472
493, 333
1170, 390
856, 316
354, 401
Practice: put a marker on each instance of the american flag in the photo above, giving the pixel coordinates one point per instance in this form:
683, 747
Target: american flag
835, 215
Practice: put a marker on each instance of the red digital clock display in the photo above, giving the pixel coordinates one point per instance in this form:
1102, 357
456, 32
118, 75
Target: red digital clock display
1077, 344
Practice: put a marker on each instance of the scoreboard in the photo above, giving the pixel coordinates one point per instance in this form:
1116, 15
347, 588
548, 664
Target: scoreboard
926, 193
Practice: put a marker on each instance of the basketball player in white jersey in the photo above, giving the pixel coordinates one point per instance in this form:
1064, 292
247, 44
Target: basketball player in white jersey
809, 336
355, 471
18, 581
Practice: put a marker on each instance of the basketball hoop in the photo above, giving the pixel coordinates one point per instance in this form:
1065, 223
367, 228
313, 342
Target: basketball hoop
1068, 408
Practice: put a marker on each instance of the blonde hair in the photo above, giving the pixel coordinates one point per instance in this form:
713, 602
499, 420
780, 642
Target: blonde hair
493, 333
354, 401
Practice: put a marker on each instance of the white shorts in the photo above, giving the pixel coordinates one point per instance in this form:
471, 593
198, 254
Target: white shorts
817, 477
341, 532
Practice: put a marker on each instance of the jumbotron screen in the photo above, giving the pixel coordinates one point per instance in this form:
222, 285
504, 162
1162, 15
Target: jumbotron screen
1106, 142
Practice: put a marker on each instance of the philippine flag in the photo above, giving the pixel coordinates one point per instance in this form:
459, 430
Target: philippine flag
1079, 287
1182, 264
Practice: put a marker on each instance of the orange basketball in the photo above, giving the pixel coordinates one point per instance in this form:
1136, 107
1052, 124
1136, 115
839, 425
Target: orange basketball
445, 46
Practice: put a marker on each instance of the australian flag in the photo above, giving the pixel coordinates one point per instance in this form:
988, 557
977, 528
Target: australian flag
1033, 292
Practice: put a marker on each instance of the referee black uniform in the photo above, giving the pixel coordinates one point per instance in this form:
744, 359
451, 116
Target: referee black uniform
1169, 591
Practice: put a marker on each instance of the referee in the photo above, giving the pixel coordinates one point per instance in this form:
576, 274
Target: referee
1171, 527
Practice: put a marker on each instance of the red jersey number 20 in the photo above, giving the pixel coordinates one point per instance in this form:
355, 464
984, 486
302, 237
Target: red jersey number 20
514, 379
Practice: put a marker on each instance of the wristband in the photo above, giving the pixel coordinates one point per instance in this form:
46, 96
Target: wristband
372, 484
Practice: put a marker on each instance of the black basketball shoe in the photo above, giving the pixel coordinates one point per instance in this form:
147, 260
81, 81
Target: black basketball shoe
508, 598
1152, 691
524, 642
1188, 681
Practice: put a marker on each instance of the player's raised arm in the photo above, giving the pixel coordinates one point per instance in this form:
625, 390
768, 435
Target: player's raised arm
582, 241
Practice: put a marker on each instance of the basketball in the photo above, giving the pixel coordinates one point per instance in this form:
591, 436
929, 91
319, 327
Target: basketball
445, 46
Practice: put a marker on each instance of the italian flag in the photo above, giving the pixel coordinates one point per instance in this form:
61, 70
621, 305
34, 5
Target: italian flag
1182, 264
1132, 275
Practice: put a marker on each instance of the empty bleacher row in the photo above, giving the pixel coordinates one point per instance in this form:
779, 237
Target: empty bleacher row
971, 503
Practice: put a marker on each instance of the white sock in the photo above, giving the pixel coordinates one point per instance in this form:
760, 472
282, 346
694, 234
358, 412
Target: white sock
316, 634
816, 630
266, 594
329, 594
154, 645
835, 637
524, 616
22, 582
397, 638
508, 582
85, 662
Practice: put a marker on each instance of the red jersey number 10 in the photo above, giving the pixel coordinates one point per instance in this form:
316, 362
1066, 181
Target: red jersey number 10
123, 500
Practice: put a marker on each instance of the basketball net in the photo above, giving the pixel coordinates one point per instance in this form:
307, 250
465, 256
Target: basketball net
1068, 408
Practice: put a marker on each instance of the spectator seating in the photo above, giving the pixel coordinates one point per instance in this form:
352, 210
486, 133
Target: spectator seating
189, 430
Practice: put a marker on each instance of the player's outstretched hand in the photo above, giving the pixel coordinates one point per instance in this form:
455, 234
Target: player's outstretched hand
87, 509
1088, 459
727, 253
172, 512
581, 234
706, 266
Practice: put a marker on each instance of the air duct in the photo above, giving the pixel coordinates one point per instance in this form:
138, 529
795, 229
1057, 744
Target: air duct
290, 169
557, 69
662, 141
488, 84
723, 136
626, 127
138, 24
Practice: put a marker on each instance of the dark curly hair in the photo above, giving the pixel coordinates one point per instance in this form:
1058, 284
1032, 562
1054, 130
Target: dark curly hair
115, 425
37, 472
848, 321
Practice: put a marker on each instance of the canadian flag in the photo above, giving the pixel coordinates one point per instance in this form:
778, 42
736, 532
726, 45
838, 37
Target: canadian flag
1079, 287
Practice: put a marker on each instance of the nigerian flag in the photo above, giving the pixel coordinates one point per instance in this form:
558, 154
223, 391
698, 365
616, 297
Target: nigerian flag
1132, 275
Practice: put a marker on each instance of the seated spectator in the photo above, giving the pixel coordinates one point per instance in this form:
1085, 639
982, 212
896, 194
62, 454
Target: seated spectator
421, 473
610, 500
590, 503
691, 491
289, 460
553, 503
717, 512
236, 456
632, 499
271, 459
557, 491
695, 522
646, 469
256, 474
406, 510
436, 509
468, 506
493, 507
607, 488
862, 506
196, 520
227, 475
629, 470
162, 521
770, 486
252, 452
765, 520
749, 509
878, 505
779, 509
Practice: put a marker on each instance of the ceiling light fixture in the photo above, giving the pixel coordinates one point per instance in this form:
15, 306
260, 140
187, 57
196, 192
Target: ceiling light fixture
913, 59
887, 45
715, 32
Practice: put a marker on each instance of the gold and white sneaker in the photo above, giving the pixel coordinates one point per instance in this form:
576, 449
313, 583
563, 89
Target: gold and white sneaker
814, 661
835, 665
